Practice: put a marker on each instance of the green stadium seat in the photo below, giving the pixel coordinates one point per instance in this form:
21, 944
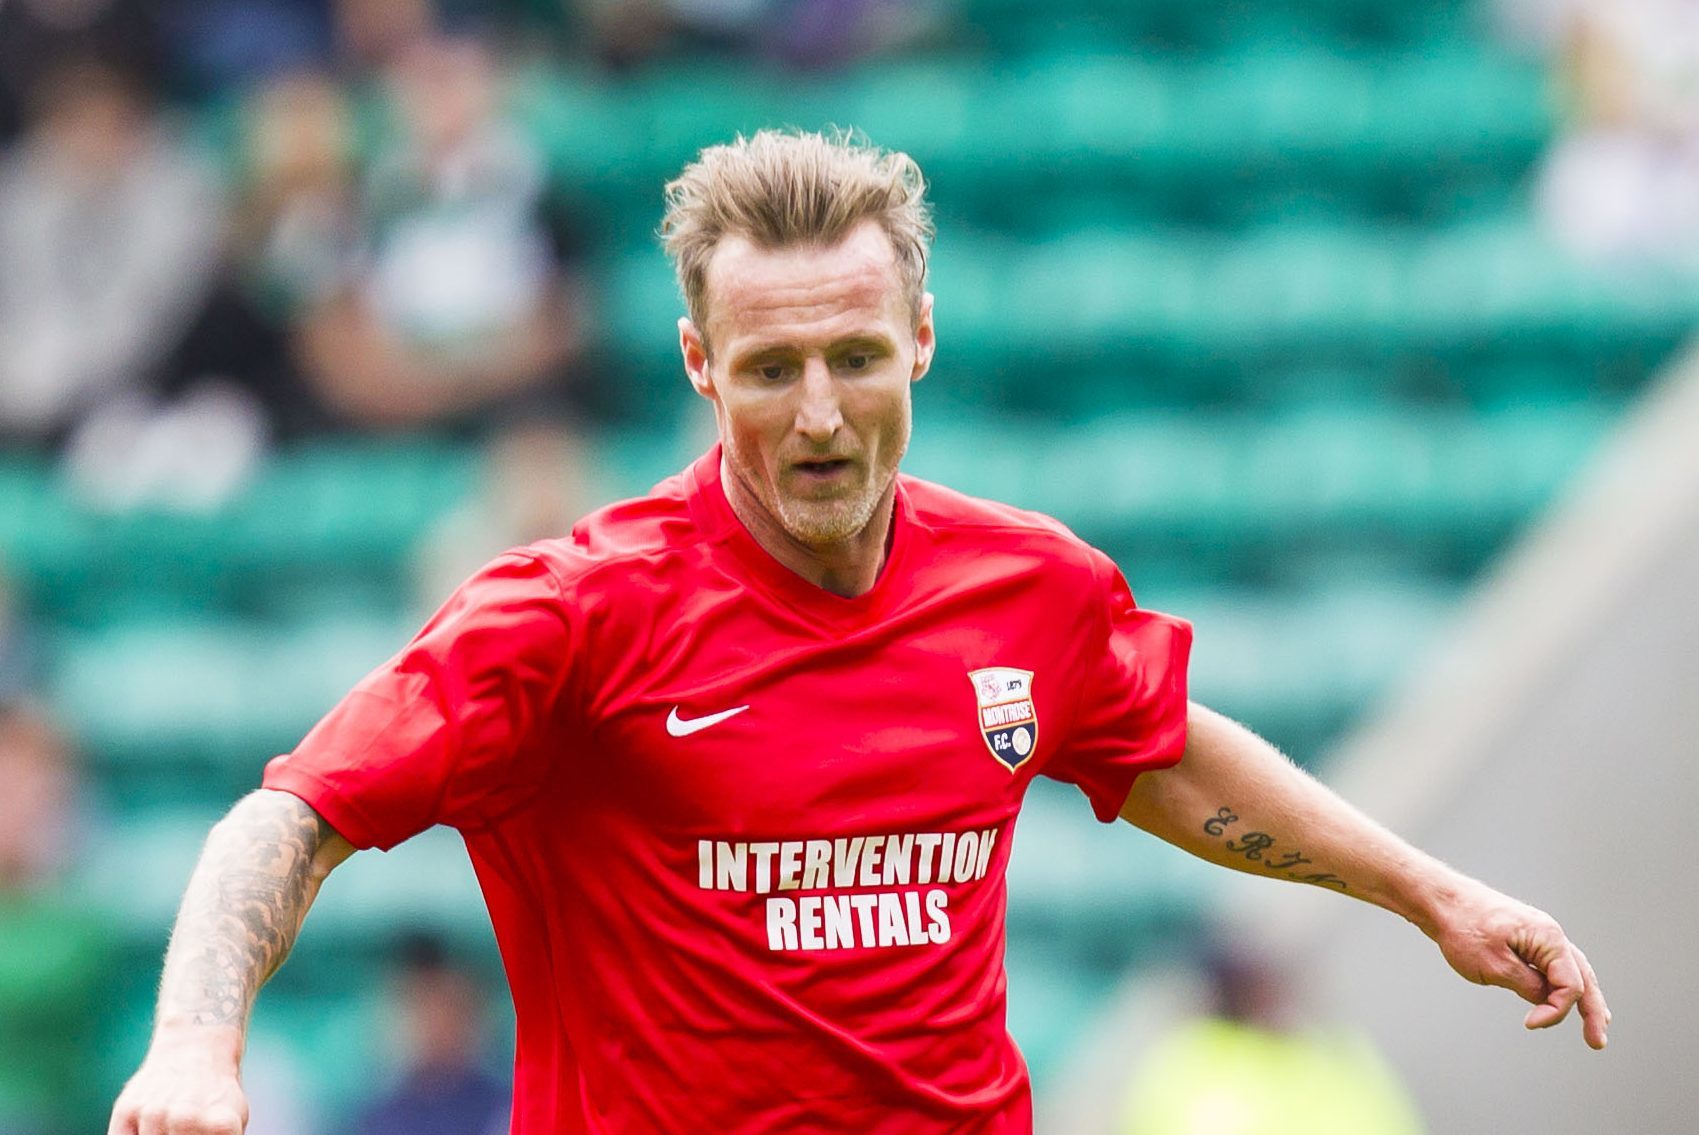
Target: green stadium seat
330, 513
141, 862
1253, 132
1438, 488
1132, 317
1008, 26
191, 710
1067, 870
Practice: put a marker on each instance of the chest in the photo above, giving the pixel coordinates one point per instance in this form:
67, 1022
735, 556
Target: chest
733, 725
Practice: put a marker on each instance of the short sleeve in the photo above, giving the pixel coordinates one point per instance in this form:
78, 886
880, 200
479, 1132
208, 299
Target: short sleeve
1131, 712
447, 731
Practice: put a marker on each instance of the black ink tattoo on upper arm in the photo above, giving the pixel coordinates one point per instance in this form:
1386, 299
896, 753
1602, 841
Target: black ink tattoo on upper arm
1258, 847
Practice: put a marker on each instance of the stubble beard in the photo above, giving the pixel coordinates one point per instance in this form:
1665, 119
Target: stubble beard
821, 524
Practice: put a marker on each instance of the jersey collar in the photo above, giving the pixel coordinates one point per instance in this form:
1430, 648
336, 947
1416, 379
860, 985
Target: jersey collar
743, 555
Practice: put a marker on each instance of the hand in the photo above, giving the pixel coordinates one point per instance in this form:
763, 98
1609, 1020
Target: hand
1491, 939
182, 1089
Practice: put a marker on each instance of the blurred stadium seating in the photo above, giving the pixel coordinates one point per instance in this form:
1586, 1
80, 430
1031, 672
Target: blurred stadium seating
1247, 293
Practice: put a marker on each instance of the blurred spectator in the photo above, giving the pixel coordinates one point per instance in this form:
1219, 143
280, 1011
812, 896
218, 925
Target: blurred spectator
802, 33
296, 245
38, 37
222, 45
37, 809
373, 35
826, 33
109, 231
1248, 1068
294, 242
465, 312
18, 649
443, 1087
56, 956
1623, 183
298, 225
628, 33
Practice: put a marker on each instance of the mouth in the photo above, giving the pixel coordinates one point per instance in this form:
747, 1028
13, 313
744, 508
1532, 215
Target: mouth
823, 469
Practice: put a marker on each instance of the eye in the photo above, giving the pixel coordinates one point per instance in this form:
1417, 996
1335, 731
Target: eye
858, 361
772, 372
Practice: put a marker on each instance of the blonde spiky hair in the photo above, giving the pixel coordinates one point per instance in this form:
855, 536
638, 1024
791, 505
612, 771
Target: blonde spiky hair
782, 188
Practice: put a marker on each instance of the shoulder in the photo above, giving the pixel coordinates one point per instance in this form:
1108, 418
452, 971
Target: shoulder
647, 537
943, 508
974, 525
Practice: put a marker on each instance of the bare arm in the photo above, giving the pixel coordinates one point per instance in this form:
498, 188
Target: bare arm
1236, 801
370, 375
256, 878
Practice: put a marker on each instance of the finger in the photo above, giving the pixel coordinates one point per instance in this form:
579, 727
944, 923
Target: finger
1567, 981
204, 1120
224, 1121
1564, 986
1520, 978
1595, 1014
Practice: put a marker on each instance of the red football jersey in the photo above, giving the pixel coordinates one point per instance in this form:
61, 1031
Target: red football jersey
743, 840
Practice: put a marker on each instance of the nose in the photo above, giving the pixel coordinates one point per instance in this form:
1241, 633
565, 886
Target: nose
818, 415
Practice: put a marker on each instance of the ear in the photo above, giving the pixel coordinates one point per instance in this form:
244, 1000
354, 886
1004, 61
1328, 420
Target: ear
695, 352
925, 339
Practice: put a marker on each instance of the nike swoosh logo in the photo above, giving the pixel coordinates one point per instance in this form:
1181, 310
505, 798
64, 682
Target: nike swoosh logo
683, 727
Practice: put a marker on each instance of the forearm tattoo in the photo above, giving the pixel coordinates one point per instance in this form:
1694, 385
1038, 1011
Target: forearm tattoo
1259, 848
243, 908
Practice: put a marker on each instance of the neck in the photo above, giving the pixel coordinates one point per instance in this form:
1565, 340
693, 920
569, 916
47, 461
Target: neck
848, 568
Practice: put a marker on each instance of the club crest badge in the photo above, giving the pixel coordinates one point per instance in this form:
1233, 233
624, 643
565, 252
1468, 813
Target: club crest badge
1008, 717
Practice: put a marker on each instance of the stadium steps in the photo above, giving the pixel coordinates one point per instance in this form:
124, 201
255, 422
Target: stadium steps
344, 521
1302, 664
1087, 323
140, 861
1012, 25
175, 710
1085, 901
1220, 490
340, 518
1029, 143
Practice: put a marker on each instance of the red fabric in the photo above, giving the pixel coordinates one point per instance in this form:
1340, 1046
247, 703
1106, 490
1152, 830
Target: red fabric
791, 919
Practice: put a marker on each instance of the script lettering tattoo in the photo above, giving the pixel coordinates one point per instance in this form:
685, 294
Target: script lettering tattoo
1290, 859
243, 908
1252, 846
1217, 823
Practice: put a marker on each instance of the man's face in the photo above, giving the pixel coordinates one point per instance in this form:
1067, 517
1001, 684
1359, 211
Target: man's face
813, 352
